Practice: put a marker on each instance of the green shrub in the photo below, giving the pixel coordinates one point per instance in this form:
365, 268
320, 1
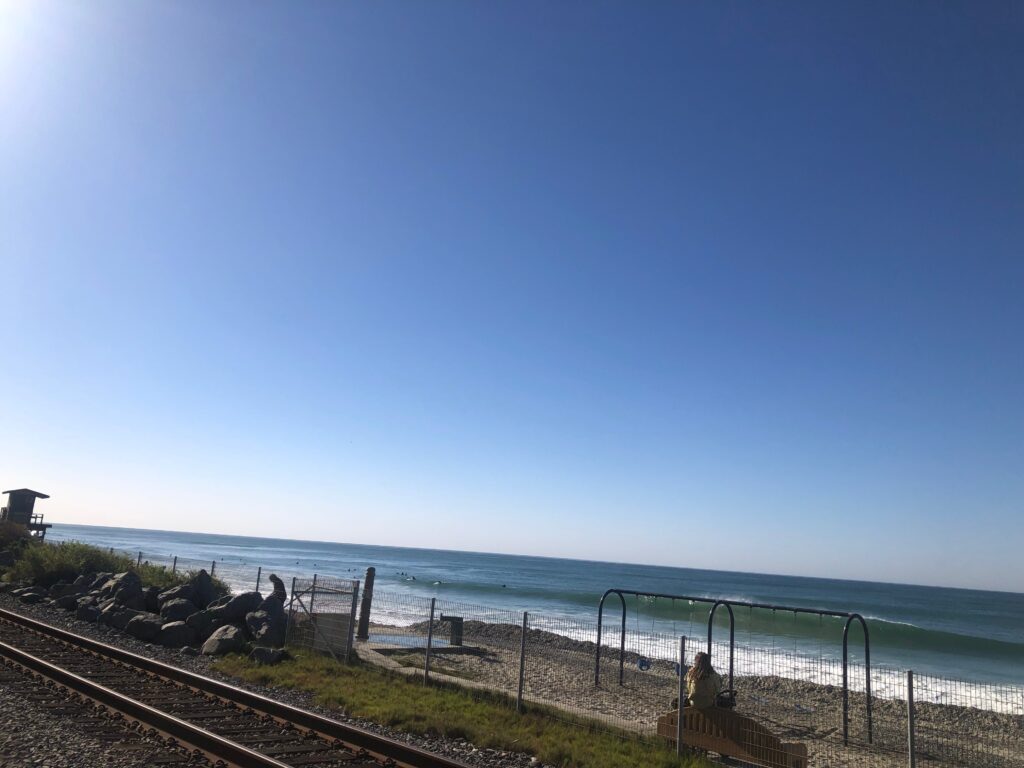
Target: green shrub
13, 537
47, 564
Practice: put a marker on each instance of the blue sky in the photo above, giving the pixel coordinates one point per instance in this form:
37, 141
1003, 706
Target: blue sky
726, 285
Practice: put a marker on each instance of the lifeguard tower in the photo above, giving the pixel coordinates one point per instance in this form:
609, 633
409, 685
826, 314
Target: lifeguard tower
20, 510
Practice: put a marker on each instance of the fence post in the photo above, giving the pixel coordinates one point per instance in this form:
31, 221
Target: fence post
911, 747
138, 563
364, 609
288, 616
522, 662
312, 597
681, 700
174, 566
430, 641
350, 640
213, 567
259, 575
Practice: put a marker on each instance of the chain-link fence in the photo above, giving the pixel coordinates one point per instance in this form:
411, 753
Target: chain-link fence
787, 707
321, 615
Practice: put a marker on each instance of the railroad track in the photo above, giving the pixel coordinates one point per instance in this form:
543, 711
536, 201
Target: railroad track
228, 726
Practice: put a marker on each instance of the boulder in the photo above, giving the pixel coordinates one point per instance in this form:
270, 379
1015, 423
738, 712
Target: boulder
85, 581
87, 612
68, 602
120, 617
279, 593
267, 625
130, 596
32, 597
151, 597
236, 608
189, 650
263, 655
60, 589
203, 622
203, 589
227, 639
180, 592
128, 580
100, 580
177, 610
176, 634
86, 600
145, 627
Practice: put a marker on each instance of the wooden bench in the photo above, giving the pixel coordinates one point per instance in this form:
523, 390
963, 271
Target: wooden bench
732, 735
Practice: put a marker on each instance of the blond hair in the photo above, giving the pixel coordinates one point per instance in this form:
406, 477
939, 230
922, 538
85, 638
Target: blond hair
701, 668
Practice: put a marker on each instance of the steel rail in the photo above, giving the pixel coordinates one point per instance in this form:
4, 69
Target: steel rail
375, 746
216, 749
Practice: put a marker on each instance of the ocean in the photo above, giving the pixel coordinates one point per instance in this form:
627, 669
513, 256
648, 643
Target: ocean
951, 633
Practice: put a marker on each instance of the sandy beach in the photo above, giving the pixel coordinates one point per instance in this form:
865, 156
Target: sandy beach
560, 675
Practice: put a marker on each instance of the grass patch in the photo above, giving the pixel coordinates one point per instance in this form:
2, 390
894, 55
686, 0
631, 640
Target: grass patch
46, 564
368, 692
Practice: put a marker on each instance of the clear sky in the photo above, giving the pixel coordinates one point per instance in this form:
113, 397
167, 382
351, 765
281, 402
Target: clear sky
734, 285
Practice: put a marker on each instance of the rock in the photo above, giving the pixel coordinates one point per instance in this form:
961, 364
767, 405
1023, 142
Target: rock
180, 592
130, 596
30, 598
203, 622
121, 617
100, 580
85, 581
227, 639
151, 597
57, 590
267, 626
6, 559
176, 634
263, 655
177, 610
68, 602
189, 650
203, 589
145, 627
279, 593
127, 580
236, 608
85, 600
87, 612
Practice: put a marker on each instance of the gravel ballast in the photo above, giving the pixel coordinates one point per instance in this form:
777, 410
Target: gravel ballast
455, 748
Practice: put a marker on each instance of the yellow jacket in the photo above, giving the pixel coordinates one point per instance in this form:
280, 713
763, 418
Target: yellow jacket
701, 693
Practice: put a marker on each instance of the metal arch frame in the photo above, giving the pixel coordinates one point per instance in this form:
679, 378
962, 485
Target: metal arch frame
732, 634
850, 618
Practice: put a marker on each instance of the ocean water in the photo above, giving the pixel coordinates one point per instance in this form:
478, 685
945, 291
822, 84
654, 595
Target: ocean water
951, 633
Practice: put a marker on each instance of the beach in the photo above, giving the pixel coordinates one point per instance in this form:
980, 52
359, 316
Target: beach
559, 675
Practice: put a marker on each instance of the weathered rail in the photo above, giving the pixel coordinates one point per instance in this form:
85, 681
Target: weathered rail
230, 726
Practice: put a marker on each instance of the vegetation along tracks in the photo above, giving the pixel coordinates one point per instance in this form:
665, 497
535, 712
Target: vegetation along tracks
231, 727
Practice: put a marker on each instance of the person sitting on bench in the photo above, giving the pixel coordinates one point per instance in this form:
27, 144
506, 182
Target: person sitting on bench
702, 683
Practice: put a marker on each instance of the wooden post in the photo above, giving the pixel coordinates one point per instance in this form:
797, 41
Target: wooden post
174, 566
259, 575
364, 608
